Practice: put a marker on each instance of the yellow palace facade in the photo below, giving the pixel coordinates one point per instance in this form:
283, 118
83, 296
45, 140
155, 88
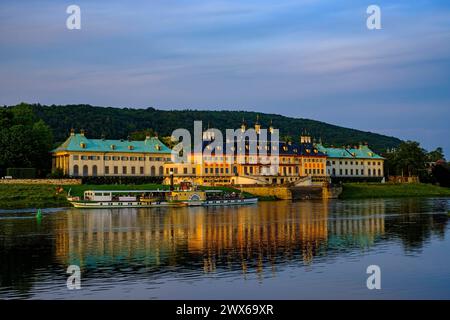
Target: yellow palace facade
80, 156
295, 161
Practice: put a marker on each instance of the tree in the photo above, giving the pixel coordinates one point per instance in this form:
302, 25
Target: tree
407, 160
25, 140
436, 155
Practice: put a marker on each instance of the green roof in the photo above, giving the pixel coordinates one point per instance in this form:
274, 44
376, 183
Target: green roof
79, 143
363, 152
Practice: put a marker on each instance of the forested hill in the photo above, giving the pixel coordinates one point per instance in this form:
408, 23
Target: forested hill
116, 123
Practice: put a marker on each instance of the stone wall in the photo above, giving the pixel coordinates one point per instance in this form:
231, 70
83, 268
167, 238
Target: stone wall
280, 192
42, 181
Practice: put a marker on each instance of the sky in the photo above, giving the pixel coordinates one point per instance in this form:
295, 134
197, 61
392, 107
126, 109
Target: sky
311, 59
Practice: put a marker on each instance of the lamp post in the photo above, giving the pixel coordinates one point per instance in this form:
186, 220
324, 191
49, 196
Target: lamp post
171, 180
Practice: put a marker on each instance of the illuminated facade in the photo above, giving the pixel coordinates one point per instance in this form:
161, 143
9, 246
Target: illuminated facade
295, 161
357, 163
80, 156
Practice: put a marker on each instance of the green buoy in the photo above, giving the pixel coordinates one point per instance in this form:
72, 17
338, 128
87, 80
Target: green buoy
39, 214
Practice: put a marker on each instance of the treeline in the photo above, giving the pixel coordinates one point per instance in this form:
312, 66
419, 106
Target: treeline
410, 159
117, 123
25, 140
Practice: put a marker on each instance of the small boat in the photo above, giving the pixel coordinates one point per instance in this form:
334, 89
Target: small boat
182, 197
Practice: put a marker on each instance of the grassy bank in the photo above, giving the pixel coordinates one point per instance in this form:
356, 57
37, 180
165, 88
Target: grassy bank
378, 190
44, 196
22, 196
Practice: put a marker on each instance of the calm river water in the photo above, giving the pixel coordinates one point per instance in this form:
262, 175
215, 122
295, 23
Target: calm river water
273, 250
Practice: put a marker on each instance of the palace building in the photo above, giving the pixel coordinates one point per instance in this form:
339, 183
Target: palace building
295, 162
80, 156
357, 163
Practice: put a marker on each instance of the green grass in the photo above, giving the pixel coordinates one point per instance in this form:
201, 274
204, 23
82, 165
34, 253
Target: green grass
30, 196
388, 190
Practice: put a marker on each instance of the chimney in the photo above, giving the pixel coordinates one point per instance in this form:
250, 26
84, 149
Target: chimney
82, 132
72, 132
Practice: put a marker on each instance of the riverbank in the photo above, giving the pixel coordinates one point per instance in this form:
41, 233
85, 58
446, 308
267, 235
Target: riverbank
388, 190
24, 196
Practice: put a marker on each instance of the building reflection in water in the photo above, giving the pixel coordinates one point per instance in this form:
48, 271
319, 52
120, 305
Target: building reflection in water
237, 238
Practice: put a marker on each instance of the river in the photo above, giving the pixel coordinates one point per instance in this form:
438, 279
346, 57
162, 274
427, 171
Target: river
273, 250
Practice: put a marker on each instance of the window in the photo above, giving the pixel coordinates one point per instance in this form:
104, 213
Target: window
161, 170
346, 172
116, 158
133, 170
107, 158
141, 170
368, 171
94, 170
75, 170
379, 172
351, 172
194, 171
124, 170
357, 171
84, 157
334, 162
116, 170
124, 158
340, 172
141, 158
106, 169
185, 170
153, 171
75, 157
85, 171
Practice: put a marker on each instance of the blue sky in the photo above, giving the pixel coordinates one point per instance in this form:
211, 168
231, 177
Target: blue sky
311, 59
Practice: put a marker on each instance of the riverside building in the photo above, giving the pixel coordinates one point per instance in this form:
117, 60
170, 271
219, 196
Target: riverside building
359, 163
80, 156
295, 162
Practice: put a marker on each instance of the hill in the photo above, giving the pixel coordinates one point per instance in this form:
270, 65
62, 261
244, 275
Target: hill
117, 123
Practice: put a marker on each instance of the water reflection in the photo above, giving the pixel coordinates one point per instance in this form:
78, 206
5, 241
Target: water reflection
193, 242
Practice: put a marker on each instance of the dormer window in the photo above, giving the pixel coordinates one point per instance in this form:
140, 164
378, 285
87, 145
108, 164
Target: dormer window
113, 147
83, 145
158, 147
130, 147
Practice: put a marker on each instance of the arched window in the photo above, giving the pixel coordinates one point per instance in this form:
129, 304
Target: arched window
379, 172
85, 171
94, 170
334, 171
161, 171
75, 170
153, 171
368, 171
